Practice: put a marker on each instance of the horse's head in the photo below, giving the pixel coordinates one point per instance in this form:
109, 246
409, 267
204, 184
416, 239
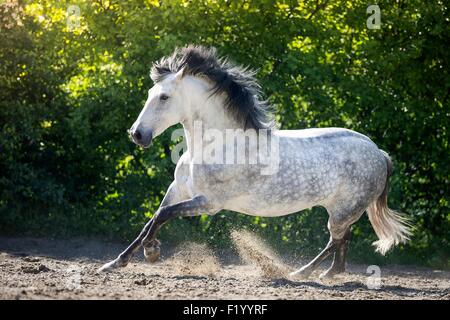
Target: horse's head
166, 106
186, 83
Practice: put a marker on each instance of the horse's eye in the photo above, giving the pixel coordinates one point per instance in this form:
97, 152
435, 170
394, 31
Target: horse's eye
164, 97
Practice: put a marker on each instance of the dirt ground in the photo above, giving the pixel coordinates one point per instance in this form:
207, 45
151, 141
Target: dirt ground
33, 268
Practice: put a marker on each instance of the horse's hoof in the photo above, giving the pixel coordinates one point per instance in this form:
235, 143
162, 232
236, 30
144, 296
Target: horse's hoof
329, 274
152, 251
301, 274
107, 267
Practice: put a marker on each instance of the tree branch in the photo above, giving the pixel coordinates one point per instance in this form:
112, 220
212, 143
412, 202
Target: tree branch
318, 7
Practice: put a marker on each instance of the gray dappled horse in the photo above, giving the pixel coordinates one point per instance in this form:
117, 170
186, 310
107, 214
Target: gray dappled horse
339, 169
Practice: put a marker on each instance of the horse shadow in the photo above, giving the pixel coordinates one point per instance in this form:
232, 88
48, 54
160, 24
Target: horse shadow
350, 286
69, 249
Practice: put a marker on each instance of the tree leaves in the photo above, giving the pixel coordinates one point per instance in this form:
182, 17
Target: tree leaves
317, 63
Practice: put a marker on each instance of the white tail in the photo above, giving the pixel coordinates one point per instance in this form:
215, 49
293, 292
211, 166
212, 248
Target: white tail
391, 226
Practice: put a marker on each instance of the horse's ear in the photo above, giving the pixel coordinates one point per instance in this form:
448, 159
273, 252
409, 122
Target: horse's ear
180, 74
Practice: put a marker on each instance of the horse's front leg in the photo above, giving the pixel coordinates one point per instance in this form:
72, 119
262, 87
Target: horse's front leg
147, 237
187, 208
123, 258
173, 195
151, 251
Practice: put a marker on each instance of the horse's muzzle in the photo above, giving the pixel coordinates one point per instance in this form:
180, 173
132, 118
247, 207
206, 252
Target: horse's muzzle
141, 137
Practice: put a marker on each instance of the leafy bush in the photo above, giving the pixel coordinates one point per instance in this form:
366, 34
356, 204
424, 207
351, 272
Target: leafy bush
69, 94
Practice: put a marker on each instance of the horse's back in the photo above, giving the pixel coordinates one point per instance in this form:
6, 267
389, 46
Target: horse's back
320, 133
313, 146
320, 150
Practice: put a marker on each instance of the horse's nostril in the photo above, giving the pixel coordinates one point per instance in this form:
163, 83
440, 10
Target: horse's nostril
137, 135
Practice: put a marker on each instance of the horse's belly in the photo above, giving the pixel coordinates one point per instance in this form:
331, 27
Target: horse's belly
261, 208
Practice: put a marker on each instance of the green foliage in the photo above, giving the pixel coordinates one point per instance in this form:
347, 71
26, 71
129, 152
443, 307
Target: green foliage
68, 95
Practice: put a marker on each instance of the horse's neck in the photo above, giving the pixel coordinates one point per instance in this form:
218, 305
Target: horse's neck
211, 116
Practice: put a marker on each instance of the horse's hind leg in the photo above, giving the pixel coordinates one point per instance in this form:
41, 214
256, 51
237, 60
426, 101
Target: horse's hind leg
305, 271
339, 227
338, 265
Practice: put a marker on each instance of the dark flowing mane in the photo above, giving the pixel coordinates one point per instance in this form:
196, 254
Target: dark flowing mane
243, 98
